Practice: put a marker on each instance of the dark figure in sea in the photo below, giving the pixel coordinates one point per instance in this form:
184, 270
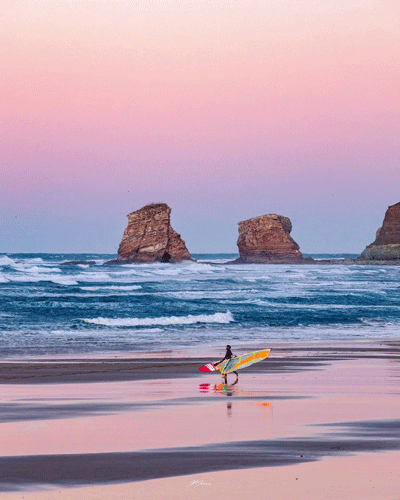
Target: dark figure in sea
228, 355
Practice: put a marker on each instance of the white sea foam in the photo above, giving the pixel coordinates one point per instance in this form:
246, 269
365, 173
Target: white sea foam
38, 277
35, 260
319, 307
6, 261
217, 294
121, 288
35, 269
162, 270
222, 318
31, 278
3, 279
88, 276
64, 280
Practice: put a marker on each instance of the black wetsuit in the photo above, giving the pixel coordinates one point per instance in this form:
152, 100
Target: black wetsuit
228, 355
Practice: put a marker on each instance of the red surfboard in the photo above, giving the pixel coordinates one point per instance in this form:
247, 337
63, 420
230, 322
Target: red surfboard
209, 367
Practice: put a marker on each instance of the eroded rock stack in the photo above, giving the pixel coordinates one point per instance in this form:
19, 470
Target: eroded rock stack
387, 242
266, 239
149, 237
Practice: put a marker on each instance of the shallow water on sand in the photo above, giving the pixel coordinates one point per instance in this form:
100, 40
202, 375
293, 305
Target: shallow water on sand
164, 413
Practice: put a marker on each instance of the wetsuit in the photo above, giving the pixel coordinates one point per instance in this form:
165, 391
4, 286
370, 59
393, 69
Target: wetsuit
228, 355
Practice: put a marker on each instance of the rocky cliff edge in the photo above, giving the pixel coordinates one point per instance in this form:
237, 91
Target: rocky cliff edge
386, 246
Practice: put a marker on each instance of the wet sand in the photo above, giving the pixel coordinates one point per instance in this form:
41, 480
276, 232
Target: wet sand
285, 357
169, 431
361, 477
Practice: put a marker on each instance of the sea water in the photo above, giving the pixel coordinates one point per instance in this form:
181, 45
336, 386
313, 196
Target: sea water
51, 309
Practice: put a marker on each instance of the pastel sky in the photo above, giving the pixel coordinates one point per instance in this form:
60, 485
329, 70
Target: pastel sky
225, 110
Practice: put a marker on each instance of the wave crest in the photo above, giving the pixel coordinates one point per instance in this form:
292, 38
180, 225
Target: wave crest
221, 318
6, 261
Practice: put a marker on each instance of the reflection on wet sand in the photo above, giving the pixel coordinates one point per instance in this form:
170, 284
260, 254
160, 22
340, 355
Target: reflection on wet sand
231, 390
227, 390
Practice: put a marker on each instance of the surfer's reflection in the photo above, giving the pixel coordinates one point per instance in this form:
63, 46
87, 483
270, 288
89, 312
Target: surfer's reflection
231, 390
227, 390
224, 389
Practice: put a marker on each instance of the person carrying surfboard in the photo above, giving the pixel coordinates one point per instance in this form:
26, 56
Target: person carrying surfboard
232, 363
228, 355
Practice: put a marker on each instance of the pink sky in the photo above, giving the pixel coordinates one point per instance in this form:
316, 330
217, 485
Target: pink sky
224, 110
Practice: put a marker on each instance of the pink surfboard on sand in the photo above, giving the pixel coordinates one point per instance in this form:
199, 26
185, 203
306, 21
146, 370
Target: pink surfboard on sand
209, 367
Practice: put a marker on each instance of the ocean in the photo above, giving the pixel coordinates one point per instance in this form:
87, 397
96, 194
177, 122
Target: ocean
54, 310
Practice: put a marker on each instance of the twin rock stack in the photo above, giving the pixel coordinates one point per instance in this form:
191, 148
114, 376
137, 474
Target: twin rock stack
149, 237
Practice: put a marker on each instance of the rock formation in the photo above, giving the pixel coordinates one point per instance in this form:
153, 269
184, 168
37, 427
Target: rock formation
149, 237
266, 239
387, 242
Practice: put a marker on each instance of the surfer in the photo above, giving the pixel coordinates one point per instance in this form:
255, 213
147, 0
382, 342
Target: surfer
228, 355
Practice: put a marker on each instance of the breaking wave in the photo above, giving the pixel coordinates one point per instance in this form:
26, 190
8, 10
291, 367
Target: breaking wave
221, 318
6, 261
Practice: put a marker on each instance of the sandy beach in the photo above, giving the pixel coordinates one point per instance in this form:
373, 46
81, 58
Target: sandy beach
315, 420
